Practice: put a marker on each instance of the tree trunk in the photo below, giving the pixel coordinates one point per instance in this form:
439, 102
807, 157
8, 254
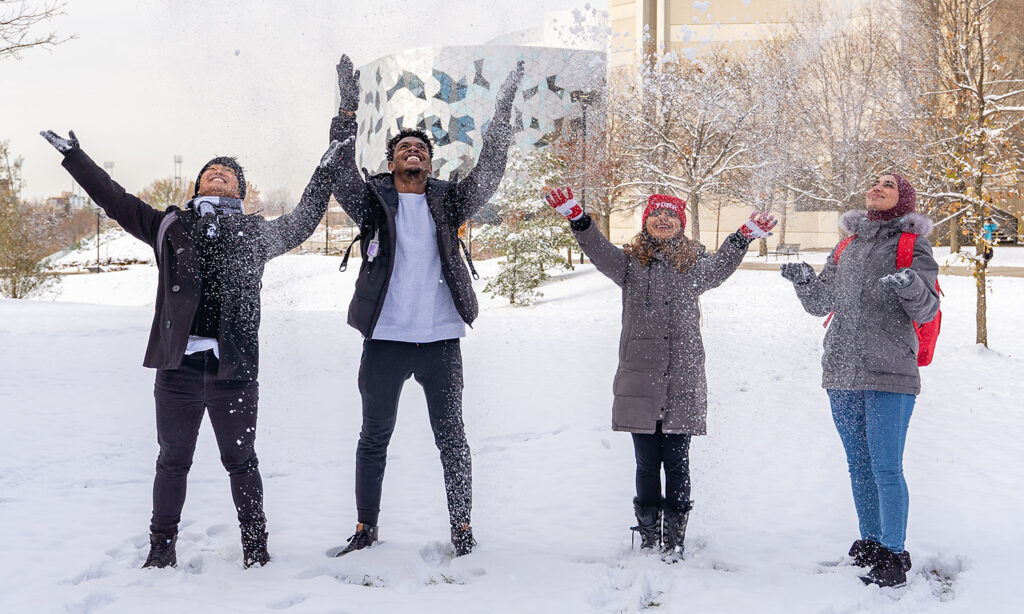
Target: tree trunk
954, 235
695, 221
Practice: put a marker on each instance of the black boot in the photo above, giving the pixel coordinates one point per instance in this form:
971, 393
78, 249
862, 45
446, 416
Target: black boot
364, 537
867, 553
462, 539
675, 529
161, 551
254, 544
889, 570
648, 518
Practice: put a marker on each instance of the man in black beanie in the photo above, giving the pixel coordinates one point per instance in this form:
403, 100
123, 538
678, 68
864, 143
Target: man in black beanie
204, 339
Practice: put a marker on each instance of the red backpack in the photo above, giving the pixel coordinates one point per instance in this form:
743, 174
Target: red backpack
928, 332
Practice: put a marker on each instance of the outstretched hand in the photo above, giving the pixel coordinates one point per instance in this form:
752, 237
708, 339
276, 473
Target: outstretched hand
758, 226
900, 279
798, 272
61, 144
507, 91
348, 86
332, 157
562, 201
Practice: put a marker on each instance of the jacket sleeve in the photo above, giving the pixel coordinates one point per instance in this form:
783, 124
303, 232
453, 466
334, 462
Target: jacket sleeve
348, 188
921, 298
712, 271
818, 295
480, 184
607, 258
136, 217
291, 229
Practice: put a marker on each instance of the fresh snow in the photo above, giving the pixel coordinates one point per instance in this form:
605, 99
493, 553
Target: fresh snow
553, 483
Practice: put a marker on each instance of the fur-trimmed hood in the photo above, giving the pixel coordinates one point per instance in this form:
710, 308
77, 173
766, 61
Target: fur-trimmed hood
914, 223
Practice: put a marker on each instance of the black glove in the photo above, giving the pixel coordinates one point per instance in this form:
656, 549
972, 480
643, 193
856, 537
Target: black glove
332, 157
507, 92
348, 86
798, 272
65, 146
900, 279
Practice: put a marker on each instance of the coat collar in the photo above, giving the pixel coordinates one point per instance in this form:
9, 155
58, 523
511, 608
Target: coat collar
856, 223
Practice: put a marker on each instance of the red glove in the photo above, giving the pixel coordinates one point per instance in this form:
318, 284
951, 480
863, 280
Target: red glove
758, 226
563, 202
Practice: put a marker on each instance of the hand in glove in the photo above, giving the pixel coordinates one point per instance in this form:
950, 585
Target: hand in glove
65, 146
507, 92
562, 201
798, 272
348, 86
332, 157
758, 226
900, 279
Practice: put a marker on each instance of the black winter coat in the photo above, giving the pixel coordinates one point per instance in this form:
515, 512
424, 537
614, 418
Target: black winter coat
249, 242
373, 205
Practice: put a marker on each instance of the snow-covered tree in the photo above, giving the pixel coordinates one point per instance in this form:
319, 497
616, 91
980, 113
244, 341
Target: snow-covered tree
24, 235
531, 237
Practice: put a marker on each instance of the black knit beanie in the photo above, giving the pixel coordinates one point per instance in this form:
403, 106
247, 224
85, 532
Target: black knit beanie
229, 162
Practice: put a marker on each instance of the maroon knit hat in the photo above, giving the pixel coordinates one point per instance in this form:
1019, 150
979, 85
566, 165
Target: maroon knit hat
906, 204
665, 201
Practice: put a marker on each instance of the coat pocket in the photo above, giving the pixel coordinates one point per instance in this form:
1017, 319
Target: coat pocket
896, 351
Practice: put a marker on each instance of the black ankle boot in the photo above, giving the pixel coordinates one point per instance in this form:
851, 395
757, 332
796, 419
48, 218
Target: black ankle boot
648, 518
364, 537
161, 551
865, 552
675, 528
462, 539
254, 544
889, 570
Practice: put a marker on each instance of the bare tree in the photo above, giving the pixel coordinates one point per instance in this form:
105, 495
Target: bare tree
24, 235
19, 21
163, 193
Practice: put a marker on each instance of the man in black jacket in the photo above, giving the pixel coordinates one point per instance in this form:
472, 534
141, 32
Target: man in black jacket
204, 339
413, 296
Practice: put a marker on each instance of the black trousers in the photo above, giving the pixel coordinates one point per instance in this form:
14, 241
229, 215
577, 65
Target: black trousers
383, 370
653, 451
182, 396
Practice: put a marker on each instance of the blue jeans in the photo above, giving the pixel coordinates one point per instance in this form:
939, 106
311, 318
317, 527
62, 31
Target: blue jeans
873, 427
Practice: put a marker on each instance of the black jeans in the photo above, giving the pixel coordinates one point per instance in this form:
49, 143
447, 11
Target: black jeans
383, 369
182, 396
654, 451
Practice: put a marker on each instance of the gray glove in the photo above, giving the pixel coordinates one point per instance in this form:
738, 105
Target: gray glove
61, 144
798, 272
900, 279
348, 86
507, 92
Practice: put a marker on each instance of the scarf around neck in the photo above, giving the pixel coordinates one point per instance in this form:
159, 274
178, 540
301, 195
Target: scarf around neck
215, 205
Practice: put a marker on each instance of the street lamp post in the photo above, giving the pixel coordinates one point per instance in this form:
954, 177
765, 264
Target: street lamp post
584, 98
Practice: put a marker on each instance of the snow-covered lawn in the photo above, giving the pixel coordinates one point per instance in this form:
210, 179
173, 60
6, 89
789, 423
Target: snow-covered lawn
553, 483
1005, 256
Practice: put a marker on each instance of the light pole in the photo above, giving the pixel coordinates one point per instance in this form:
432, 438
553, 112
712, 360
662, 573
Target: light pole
584, 98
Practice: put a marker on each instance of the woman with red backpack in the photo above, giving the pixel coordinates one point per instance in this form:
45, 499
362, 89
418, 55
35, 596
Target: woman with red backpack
874, 294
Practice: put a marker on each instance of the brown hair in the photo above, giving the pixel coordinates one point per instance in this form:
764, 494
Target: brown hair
678, 251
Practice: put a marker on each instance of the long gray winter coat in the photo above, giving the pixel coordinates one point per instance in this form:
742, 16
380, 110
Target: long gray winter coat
871, 343
661, 354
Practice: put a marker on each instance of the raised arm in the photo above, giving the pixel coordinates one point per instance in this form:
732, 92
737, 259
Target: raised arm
816, 292
607, 258
348, 187
290, 230
136, 217
480, 184
712, 271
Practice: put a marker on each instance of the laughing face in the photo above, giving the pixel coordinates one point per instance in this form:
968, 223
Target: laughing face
411, 157
218, 180
663, 224
884, 195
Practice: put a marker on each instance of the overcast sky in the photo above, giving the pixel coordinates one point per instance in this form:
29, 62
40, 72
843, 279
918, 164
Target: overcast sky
147, 79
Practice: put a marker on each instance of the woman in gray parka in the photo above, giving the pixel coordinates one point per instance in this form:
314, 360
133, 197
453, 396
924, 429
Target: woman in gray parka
660, 389
870, 361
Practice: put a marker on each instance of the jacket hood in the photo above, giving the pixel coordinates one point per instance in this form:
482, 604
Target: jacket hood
915, 223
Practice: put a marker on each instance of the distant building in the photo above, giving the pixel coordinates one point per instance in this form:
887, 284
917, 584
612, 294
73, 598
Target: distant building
66, 202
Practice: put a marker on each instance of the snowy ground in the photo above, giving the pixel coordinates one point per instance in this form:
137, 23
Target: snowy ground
553, 483
1005, 256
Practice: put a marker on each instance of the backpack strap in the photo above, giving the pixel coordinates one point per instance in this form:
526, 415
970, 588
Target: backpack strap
161, 232
905, 250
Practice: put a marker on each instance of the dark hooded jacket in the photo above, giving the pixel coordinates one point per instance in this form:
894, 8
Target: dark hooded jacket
870, 343
661, 376
373, 204
248, 242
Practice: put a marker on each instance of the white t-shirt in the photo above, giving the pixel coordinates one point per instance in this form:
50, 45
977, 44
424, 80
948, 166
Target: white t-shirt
418, 307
